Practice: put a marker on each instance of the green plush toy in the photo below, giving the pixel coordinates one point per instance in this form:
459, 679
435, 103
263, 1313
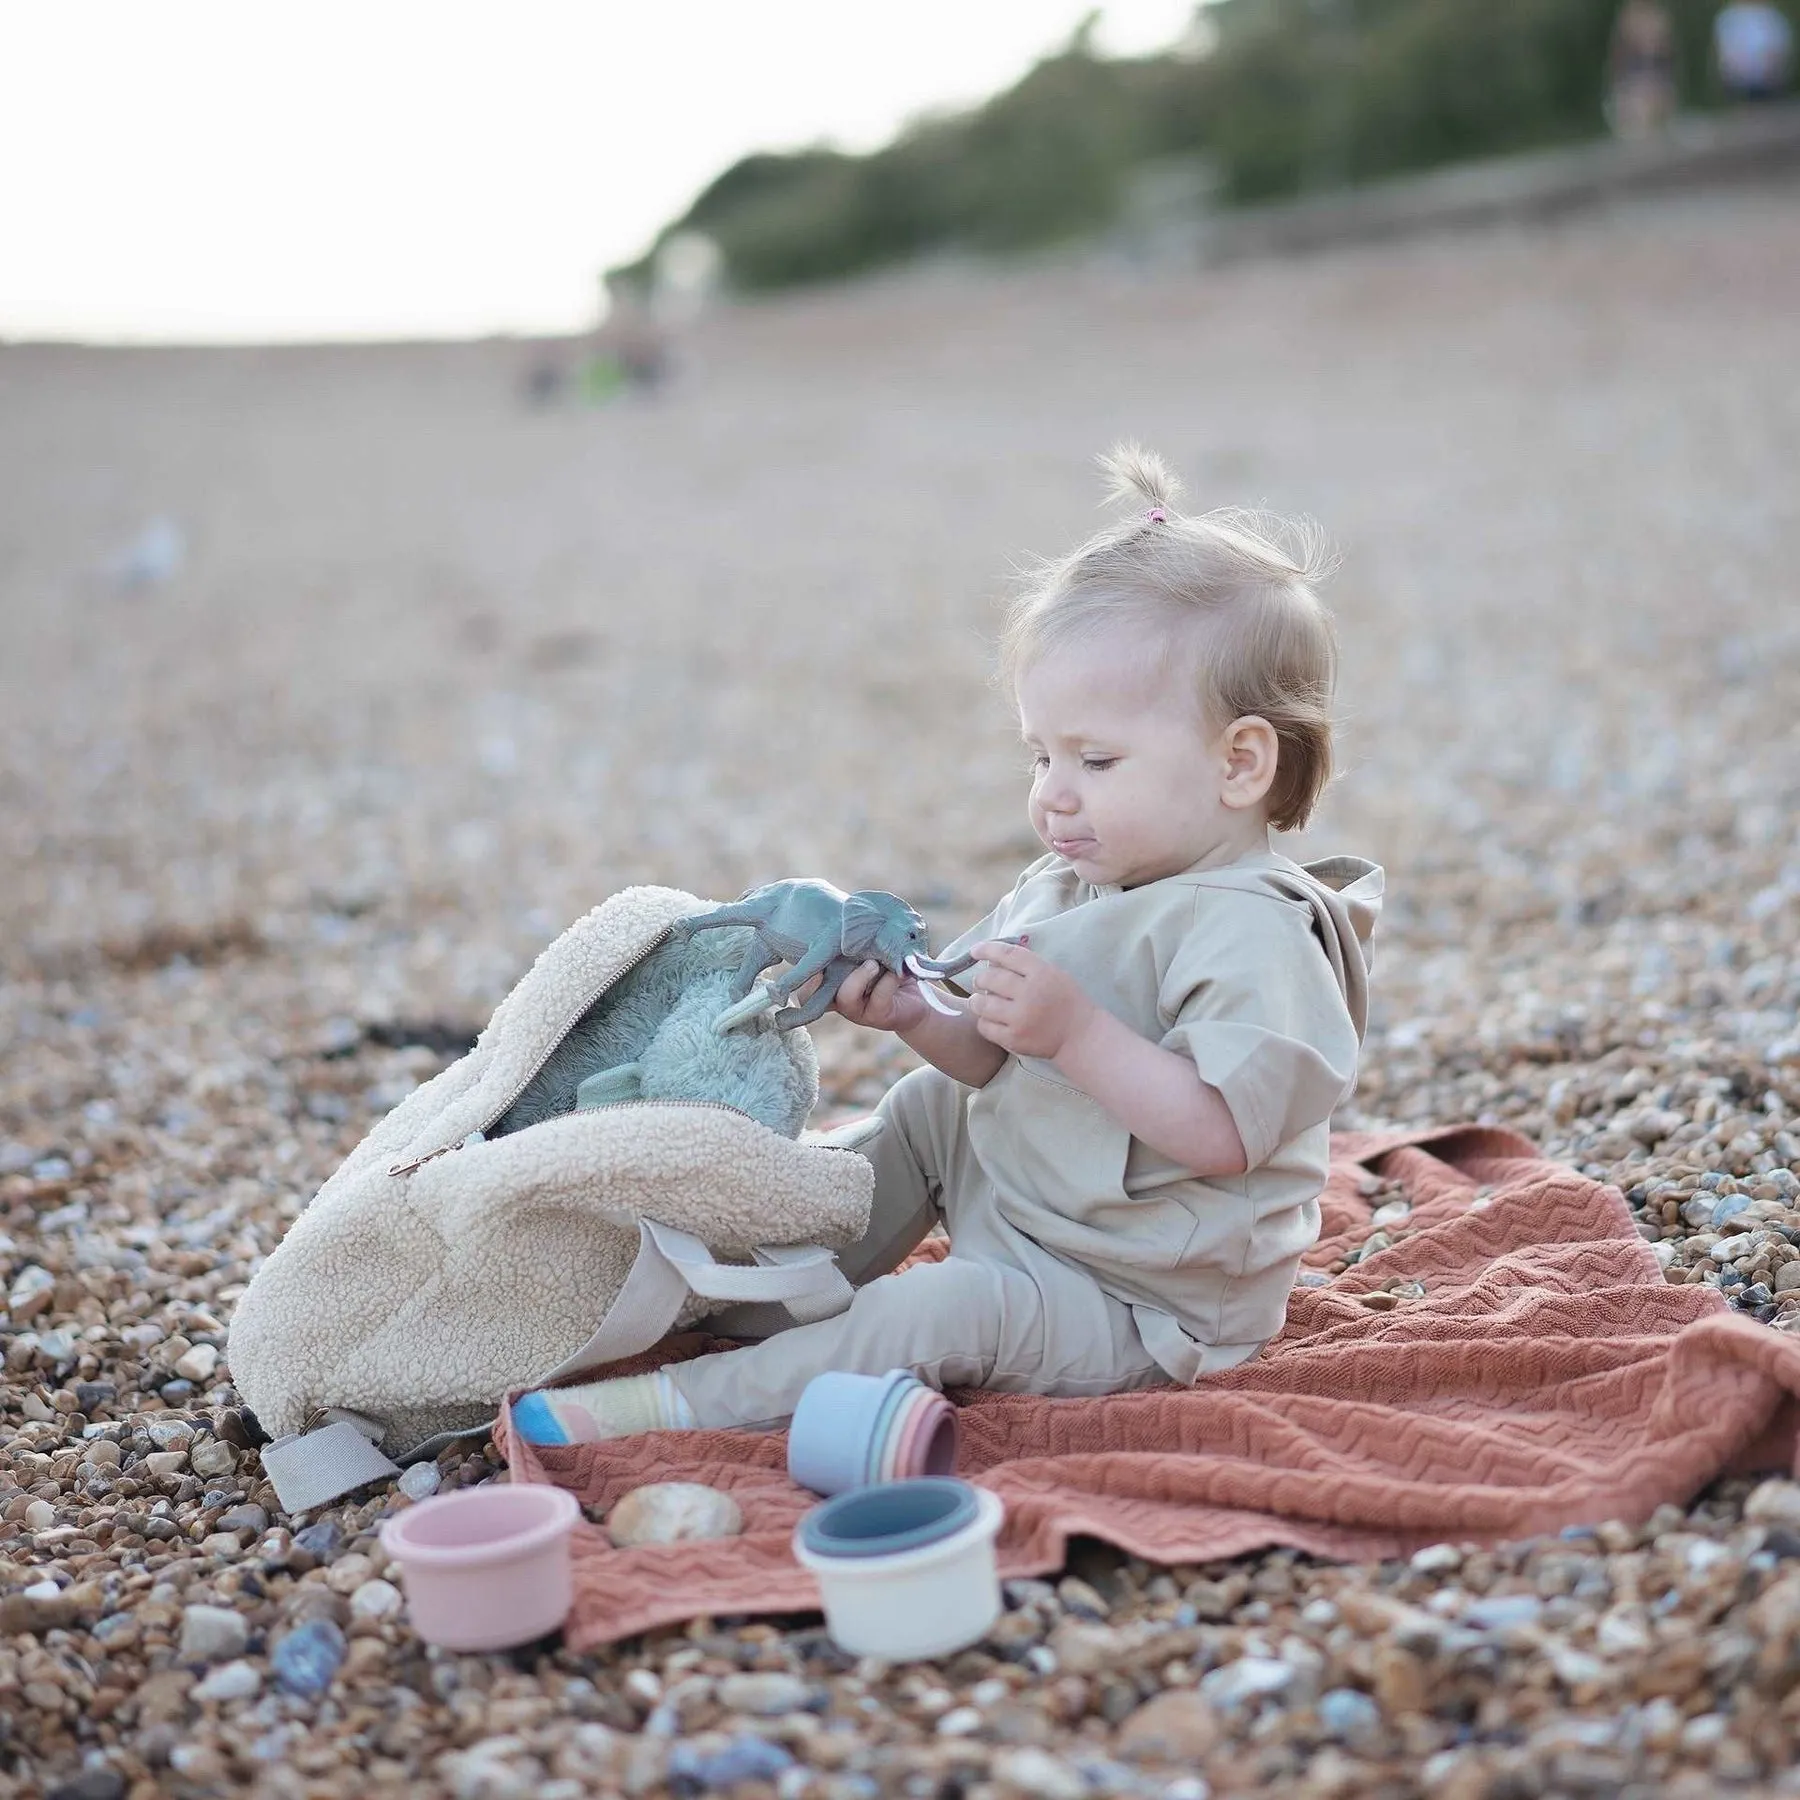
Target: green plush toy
651, 1037
686, 1025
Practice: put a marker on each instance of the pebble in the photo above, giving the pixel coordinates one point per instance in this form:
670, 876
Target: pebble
212, 1634
419, 1481
1249, 1678
348, 1573
1350, 1717
91, 1784
1436, 1559
496, 1769
1775, 1503
320, 1541
668, 1512
253, 1519
1078, 1598
30, 1293
197, 1364
764, 1694
308, 1657
213, 1456
376, 1600
741, 1759
1176, 1726
1502, 1612
230, 1681
1034, 1774
1727, 1208
1621, 1633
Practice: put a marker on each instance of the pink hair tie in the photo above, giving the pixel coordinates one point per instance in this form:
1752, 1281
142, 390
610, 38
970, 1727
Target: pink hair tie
1157, 516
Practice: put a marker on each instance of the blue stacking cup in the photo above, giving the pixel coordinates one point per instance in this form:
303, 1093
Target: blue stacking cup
839, 1426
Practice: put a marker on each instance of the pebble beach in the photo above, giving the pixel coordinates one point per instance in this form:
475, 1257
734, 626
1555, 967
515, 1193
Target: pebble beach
337, 681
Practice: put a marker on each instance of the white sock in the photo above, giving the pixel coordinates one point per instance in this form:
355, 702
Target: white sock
621, 1407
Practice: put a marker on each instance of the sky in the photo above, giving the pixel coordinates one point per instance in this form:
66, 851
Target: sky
209, 171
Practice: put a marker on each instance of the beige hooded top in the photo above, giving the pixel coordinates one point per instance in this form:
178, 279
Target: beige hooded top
1258, 971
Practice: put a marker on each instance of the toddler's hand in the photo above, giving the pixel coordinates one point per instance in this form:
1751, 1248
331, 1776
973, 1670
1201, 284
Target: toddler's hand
1024, 1004
878, 998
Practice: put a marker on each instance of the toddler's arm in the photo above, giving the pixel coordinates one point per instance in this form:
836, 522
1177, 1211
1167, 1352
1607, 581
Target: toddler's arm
1155, 1094
1032, 1008
952, 1042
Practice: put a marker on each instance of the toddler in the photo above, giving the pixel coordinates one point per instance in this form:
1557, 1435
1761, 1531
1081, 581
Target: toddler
1124, 1131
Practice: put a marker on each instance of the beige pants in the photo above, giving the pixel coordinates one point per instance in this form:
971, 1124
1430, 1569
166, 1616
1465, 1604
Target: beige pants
999, 1312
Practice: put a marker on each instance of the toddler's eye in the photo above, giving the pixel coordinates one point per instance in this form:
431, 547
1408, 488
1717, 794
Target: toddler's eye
1097, 763
1038, 762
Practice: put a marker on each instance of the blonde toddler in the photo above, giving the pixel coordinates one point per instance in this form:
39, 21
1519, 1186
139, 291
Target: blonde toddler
1124, 1131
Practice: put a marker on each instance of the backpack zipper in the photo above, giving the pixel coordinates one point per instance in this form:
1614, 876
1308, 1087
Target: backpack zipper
556, 1043
416, 1163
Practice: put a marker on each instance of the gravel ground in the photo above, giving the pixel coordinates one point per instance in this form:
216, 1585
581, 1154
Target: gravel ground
438, 671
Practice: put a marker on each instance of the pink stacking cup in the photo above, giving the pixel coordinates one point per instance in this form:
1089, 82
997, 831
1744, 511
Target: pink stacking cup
488, 1567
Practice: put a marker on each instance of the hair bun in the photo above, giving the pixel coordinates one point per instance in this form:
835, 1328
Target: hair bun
1141, 476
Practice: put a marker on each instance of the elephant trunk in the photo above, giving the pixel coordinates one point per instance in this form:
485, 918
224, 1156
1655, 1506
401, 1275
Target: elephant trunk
928, 968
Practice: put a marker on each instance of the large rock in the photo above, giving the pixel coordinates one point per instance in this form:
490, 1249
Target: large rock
670, 1512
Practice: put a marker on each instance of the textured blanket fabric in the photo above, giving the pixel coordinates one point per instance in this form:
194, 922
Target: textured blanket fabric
1548, 1376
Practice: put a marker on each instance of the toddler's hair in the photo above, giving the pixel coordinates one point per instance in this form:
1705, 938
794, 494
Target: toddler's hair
1234, 588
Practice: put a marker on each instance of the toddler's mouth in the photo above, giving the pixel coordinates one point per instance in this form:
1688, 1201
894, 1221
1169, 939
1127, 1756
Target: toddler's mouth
1071, 847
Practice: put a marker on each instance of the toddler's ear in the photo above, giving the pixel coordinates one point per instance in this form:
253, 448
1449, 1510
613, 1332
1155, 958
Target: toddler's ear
1250, 752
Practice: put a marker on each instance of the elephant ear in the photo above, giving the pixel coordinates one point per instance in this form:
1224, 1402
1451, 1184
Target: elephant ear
867, 916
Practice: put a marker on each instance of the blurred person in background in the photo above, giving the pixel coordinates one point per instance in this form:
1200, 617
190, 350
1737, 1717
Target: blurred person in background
1753, 44
1640, 69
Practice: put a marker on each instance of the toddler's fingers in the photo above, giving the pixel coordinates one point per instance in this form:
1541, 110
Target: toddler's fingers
884, 985
992, 1030
1005, 953
854, 995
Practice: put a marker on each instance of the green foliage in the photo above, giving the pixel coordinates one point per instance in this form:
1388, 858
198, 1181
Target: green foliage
1295, 96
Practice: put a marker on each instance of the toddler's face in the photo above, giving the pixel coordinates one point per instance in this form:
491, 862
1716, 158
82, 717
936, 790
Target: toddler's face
1126, 775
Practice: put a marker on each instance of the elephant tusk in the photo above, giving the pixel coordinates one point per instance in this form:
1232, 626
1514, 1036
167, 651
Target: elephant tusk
928, 994
926, 974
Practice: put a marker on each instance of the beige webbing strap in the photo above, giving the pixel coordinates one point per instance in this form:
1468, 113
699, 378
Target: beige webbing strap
307, 1469
673, 1264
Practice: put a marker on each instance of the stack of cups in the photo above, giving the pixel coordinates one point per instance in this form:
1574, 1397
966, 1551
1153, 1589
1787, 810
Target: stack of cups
851, 1431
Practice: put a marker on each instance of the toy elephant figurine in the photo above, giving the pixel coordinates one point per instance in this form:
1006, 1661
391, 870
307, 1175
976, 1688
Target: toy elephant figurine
821, 931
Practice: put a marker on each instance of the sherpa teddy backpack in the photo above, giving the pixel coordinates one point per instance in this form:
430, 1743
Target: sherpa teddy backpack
494, 1233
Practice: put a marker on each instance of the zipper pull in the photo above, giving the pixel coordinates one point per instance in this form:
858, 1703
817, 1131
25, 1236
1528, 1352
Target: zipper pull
418, 1162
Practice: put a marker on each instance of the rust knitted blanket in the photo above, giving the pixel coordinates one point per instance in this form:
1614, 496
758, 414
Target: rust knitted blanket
1533, 1370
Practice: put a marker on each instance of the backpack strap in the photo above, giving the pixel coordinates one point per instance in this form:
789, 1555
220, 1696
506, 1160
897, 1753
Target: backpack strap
672, 1264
